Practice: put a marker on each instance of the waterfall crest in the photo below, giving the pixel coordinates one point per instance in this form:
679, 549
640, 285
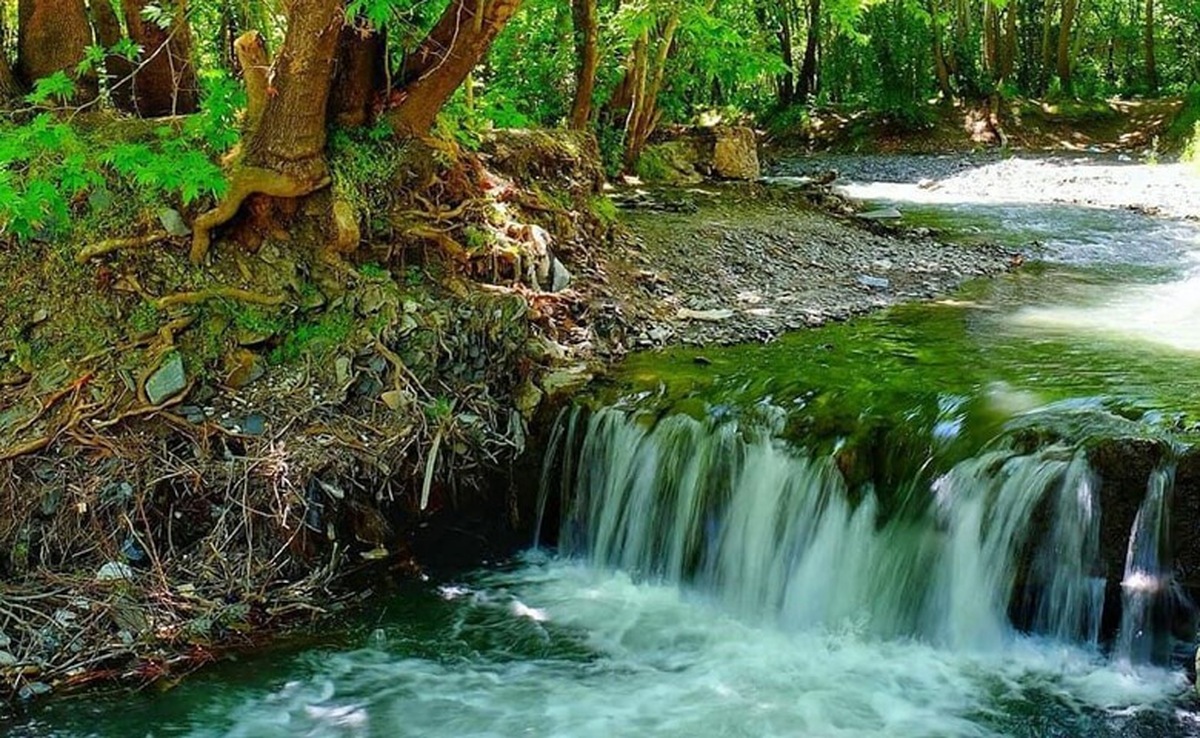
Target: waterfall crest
775, 534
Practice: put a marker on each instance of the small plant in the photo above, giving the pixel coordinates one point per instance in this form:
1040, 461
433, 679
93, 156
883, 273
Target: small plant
371, 270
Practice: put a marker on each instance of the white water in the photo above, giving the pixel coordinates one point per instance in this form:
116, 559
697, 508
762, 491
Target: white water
777, 538
1147, 581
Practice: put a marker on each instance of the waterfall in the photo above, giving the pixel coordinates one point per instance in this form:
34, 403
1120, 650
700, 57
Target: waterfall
775, 534
1146, 585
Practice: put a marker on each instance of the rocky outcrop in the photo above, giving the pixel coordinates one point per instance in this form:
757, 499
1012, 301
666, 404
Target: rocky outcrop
688, 155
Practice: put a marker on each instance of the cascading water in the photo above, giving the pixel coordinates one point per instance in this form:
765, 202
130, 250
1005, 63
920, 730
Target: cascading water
1146, 585
776, 535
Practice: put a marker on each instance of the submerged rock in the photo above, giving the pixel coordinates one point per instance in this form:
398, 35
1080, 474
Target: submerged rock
882, 214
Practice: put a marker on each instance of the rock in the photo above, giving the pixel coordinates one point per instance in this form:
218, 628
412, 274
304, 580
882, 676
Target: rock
882, 214
34, 689
254, 425
927, 184
560, 277
114, 571
173, 222
395, 399
341, 367
4, 640
566, 381
347, 233
167, 381
7, 659
710, 316
878, 283
735, 153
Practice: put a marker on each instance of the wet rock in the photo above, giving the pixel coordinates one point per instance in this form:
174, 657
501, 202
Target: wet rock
167, 381
114, 571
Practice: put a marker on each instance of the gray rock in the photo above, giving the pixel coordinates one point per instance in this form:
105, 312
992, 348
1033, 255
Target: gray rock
7, 659
882, 214
34, 689
173, 222
878, 283
167, 381
114, 571
709, 316
255, 425
560, 277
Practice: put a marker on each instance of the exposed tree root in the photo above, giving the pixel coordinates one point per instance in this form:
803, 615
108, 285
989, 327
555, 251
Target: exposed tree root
110, 245
244, 182
227, 293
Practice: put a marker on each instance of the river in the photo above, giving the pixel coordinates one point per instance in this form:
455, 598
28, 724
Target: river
843, 533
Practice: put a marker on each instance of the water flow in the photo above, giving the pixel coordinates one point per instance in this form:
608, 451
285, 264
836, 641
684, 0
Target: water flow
776, 535
1146, 586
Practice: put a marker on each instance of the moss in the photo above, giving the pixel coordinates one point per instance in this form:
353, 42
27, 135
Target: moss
315, 338
604, 209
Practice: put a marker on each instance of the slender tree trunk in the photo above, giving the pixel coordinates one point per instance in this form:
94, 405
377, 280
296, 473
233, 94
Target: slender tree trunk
1148, 42
1046, 47
284, 155
458, 42
940, 68
165, 83
787, 81
1008, 52
586, 22
359, 75
10, 88
991, 41
117, 68
808, 69
52, 37
1064, 44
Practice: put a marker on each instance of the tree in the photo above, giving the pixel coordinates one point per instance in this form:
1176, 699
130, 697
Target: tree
359, 74
165, 81
10, 87
284, 154
1064, 43
808, 69
52, 36
1148, 43
457, 43
118, 68
587, 53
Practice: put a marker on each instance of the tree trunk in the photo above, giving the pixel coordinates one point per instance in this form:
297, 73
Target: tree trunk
52, 37
587, 53
165, 83
10, 88
284, 154
1046, 47
359, 76
808, 69
117, 68
1008, 53
1148, 42
991, 40
940, 68
1064, 44
438, 67
787, 51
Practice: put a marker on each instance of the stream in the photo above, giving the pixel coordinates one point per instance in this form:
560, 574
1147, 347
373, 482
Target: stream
888, 527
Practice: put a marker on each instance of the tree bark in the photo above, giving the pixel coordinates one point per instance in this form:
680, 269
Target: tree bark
359, 75
941, 69
1008, 52
1064, 44
808, 69
10, 88
786, 20
117, 68
165, 83
457, 43
587, 53
1046, 47
284, 154
1148, 43
51, 37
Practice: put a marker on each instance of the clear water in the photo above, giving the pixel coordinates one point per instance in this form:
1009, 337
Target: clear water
718, 578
